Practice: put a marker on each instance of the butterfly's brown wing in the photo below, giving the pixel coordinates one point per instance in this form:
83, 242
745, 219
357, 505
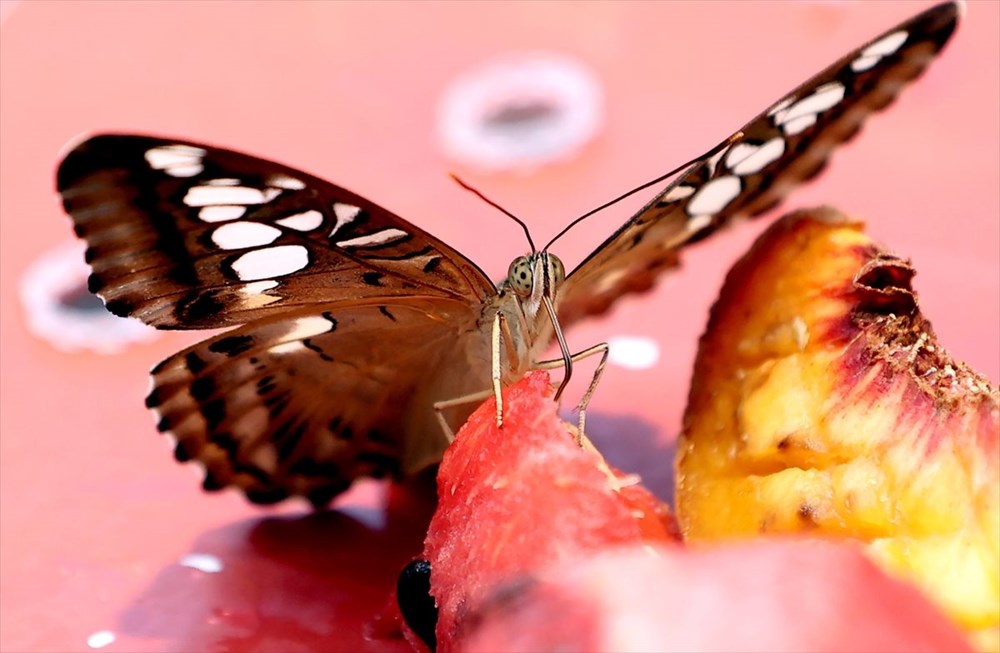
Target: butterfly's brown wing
356, 321
784, 146
302, 403
188, 236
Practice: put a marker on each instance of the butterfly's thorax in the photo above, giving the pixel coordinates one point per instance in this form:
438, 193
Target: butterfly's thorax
526, 328
531, 281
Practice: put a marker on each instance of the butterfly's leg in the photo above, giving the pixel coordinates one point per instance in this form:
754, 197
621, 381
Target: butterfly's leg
496, 337
586, 353
603, 349
441, 406
496, 340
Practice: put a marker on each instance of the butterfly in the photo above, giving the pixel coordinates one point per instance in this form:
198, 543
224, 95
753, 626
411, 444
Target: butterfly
352, 324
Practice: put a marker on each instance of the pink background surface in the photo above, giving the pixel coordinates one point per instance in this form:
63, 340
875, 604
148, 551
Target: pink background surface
95, 515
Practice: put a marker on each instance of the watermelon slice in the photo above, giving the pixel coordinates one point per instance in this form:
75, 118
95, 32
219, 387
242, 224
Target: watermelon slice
515, 500
752, 596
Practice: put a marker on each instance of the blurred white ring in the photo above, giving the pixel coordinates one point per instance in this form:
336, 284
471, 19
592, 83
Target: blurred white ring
520, 111
51, 286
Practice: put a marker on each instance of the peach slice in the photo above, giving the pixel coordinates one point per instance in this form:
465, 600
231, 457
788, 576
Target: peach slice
822, 403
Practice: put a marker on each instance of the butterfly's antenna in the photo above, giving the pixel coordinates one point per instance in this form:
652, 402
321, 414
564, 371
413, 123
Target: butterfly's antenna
510, 215
735, 137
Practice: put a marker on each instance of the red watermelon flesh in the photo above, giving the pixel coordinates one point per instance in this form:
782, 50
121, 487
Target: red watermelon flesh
516, 499
750, 596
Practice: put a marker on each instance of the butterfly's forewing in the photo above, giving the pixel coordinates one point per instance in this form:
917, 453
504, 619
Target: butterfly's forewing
188, 236
304, 402
784, 146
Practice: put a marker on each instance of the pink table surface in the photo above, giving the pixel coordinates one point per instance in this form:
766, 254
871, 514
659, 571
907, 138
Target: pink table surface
95, 515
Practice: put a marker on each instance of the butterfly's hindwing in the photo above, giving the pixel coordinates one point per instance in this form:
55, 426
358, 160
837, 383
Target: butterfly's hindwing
303, 403
782, 147
186, 236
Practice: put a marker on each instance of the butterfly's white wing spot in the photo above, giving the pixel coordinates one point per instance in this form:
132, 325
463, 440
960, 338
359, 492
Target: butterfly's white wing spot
214, 195
258, 287
345, 214
863, 63
176, 160
309, 327
747, 159
221, 213
287, 348
254, 295
879, 49
270, 262
678, 193
222, 182
714, 196
376, 239
823, 98
241, 235
285, 182
185, 170
803, 113
306, 221
800, 124
698, 222
781, 106
713, 161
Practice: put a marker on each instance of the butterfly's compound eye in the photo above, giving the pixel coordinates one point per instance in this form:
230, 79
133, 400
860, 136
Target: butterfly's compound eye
520, 276
557, 271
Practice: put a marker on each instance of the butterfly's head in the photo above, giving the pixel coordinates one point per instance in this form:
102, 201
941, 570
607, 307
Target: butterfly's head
536, 275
